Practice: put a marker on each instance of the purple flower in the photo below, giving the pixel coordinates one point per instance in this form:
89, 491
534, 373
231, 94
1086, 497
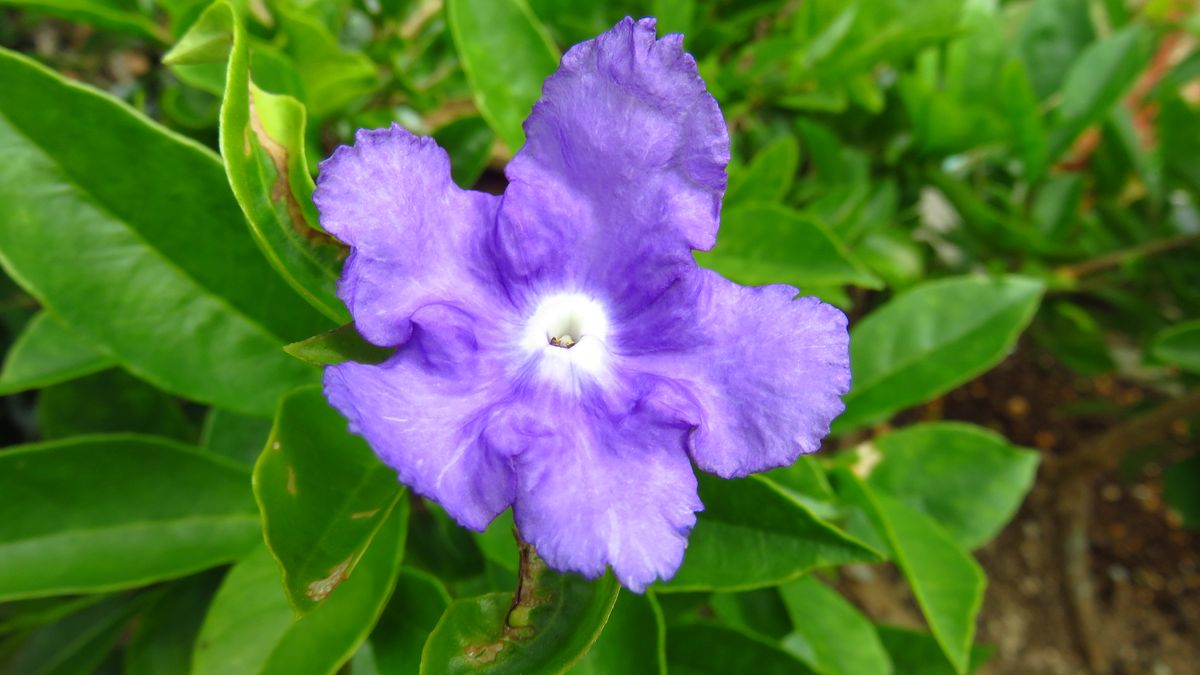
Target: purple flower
559, 349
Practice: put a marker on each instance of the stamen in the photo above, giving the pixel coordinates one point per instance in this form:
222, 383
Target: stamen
565, 341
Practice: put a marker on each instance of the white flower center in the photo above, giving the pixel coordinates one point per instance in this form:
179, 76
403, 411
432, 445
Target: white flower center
568, 331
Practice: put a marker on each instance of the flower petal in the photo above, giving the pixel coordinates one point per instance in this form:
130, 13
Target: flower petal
596, 490
423, 412
622, 172
764, 371
416, 237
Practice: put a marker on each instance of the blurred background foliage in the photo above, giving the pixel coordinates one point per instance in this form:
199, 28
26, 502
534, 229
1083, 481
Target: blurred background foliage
979, 184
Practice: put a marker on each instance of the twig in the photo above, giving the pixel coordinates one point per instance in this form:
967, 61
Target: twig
1116, 258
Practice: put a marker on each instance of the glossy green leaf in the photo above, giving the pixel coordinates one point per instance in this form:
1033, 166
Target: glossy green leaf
759, 612
238, 437
76, 643
674, 16
21, 615
262, 145
967, 478
1179, 490
1056, 206
946, 580
323, 495
707, 649
767, 178
556, 620
1075, 336
1096, 82
410, 616
469, 142
338, 346
48, 352
142, 243
931, 339
166, 634
98, 513
499, 543
447, 551
1051, 38
333, 77
1023, 113
804, 477
915, 653
506, 55
123, 17
251, 628
1180, 345
753, 534
633, 641
107, 402
893, 256
763, 244
839, 639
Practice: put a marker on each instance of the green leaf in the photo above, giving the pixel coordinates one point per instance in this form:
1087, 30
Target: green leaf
506, 55
110, 401
123, 17
469, 142
447, 550
251, 628
238, 437
946, 580
1180, 345
167, 632
1056, 206
499, 543
48, 352
767, 243
1051, 38
753, 534
893, 255
555, 621
915, 653
1026, 132
758, 612
967, 478
841, 640
707, 649
323, 495
262, 146
77, 643
931, 339
1179, 490
333, 77
633, 641
22, 615
101, 513
674, 16
768, 176
1096, 82
1075, 337
413, 612
804, 477
153, 231
338, 346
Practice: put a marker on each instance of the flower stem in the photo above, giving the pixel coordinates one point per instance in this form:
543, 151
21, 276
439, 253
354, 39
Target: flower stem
519, 622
